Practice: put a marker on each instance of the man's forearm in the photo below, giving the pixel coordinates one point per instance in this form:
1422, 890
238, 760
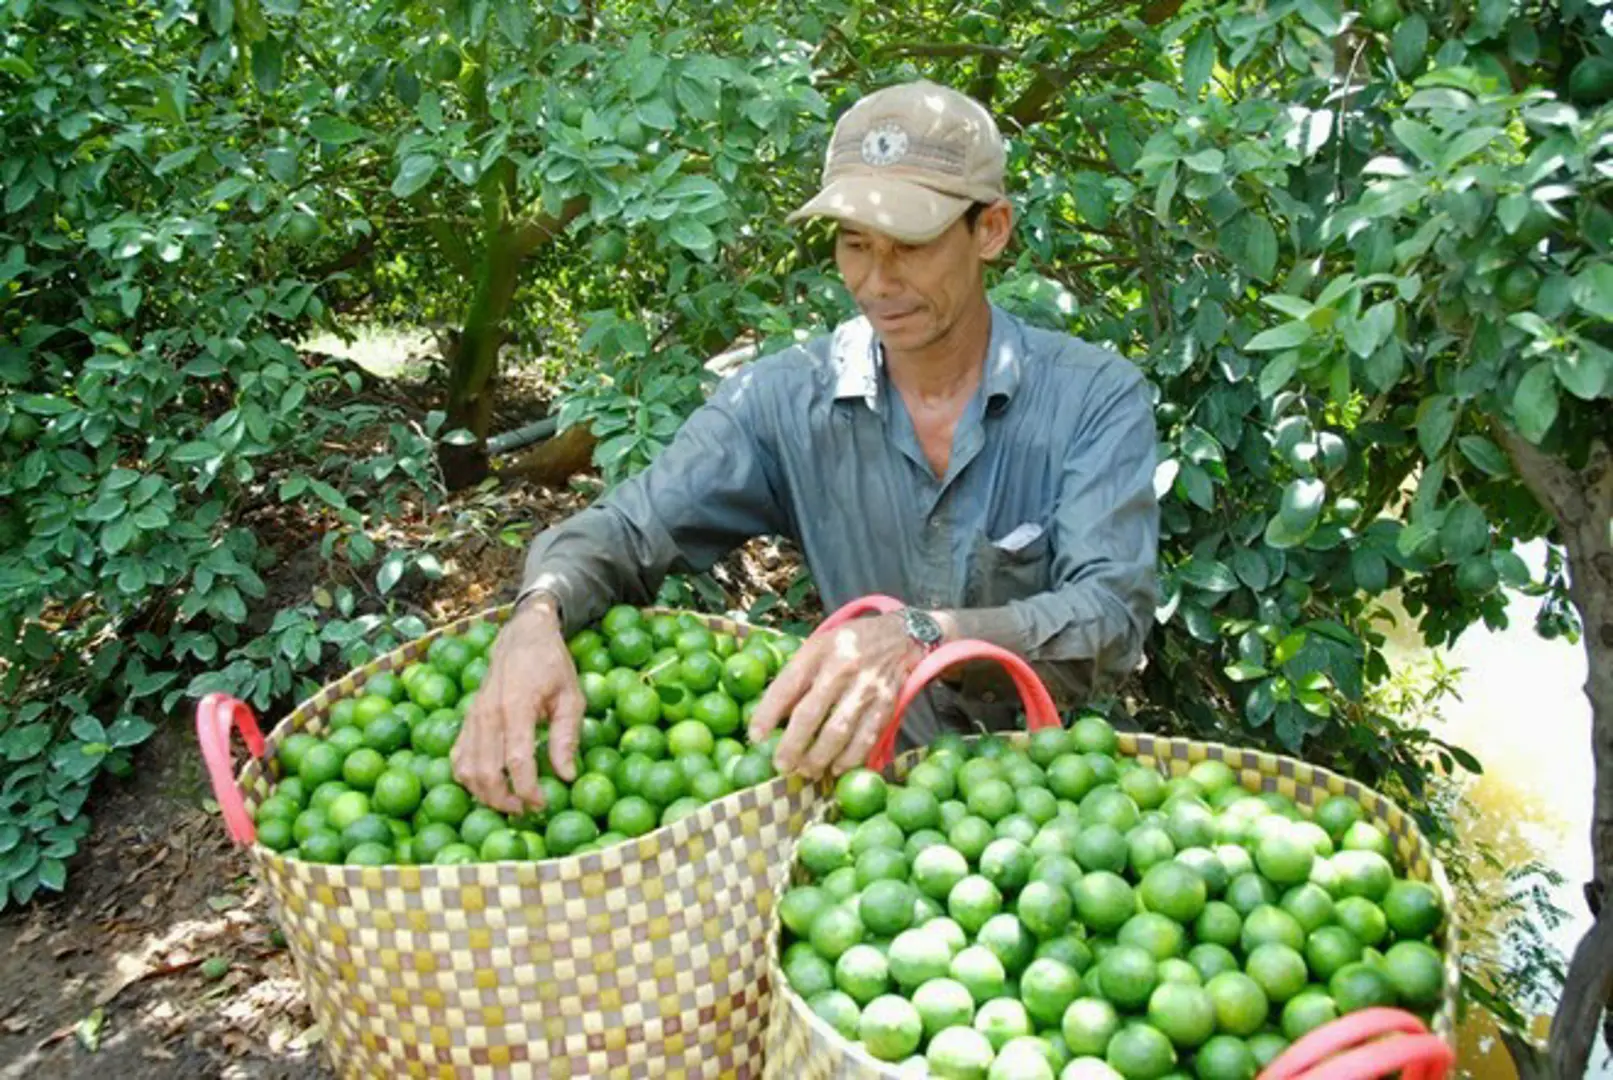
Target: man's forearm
582, 566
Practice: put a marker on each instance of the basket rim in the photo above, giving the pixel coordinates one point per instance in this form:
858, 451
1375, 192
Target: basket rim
1130, 744
554, 868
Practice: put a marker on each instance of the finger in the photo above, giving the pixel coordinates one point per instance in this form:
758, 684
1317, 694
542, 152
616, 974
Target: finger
477, 752
520, 738
565, 730
784, 694
838, 730
873, 714
802, 731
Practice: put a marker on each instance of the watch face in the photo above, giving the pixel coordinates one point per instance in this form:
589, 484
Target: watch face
921, 625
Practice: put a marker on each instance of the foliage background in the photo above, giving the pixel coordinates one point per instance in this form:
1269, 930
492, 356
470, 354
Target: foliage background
1363, 254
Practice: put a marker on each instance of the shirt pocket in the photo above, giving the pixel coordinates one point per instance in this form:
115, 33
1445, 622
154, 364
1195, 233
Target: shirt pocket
1000, 574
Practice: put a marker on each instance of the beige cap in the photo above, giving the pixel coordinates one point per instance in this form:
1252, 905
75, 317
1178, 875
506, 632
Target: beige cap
908, 160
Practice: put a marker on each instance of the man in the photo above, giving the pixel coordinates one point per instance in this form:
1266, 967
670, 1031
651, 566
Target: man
996, 477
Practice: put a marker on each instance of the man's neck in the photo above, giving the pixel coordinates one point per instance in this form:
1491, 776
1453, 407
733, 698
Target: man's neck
948, 368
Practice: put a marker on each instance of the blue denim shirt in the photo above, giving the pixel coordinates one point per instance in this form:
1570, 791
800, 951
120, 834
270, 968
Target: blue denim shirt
1042, 535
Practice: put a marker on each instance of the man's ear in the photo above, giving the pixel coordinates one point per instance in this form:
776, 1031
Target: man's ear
994, 228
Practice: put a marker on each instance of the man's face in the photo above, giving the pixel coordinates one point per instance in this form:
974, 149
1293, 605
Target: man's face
914, 294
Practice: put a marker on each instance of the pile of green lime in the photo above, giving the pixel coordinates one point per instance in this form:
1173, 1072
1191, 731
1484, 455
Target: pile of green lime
666, 700
1059, 912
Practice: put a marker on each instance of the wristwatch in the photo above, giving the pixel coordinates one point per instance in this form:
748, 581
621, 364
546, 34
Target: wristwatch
922, 628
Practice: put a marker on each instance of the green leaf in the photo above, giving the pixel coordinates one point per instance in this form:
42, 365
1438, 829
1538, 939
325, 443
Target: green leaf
1198, 62
1243, 672
221, 14
693, 234
1593, 290
1364, 335
268, 63
1534, 403
391, 572
1436, 422
129, 731
52, 874
1251, 568
1383, 367
1275, 375
1465, 530
1485, 455
1301, 503
1409, 44
1419, 139
176, 160
335, 130
1286, 336
1165, 193
1211, 161
1196, 485
1587, 372
1370, 570
1211, 575
1260, 248
415, 172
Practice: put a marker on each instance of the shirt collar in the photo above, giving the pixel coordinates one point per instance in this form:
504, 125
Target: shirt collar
858, 359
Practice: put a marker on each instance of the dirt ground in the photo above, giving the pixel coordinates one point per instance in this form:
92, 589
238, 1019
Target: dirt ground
160, 961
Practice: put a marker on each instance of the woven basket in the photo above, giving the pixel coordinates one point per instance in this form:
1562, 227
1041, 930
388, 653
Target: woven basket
802, 1046
644, 959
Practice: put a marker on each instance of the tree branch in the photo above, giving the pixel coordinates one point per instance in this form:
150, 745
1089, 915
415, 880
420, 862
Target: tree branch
535, 232
452, 243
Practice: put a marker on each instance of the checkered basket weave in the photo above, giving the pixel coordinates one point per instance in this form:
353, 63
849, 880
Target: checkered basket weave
644, 959
802, 1046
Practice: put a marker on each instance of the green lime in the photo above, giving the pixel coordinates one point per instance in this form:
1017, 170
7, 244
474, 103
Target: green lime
1330, 948
880, 864
991, 800
1157, 935
744, 676
1002, 1019
1213, 776
295, 747
934, 777
980, 971
1006, 936
1365, 836
1071, 777
1247, 891
891, 1028
1101, 847
680, 809
972, 901
632, 815
397, 793
1094, 735
275, 834
958, 1053
1310, 905
1219, 924
1148, 846
1307, 1011
836, 930
344, 713
621, 617
368, 707
479, 824
1412, 909
860, 794
431, 838
1175, 969
433, 690
503, 845
447, 803
862, 973
363, 767
631, 647
943, 1003
1104, 901
321, 847
1141, 1052
1184, 1014
320, 763
347, 808
838, 1010
700, 671
1240, 1004
368, 853
1145, 787
1362, 873
597, 694
1128, 975
1416, 973
751, 769
664, 784
387, 734
1211, 960
1106, 805
1225, 1057
1279, 969
916, 957
1268, 924
1174, 890
1265, 1046
1363, 919
886, 907
449, 655
1007, 864
913, 809
276, 807
693, 640
1045, 908
648, 740
346, 740
308, 822
718, 712
1284, 858
593, 794
937, 869
568, 830
800, 906
1047, 987
1190, 825
1088, 1025
1337, 813
823, 849
1360, 986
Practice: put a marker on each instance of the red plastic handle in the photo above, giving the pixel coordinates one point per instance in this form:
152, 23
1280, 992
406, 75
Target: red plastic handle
874, 603
1040, 712
214, 716
1344, 1050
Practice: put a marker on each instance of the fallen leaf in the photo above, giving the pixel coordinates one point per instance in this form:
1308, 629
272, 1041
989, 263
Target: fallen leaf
16, 1025
158, 1053
88, 1030
223, 902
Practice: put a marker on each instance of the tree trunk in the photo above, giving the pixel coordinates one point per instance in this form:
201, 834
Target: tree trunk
1582, 503
475, 360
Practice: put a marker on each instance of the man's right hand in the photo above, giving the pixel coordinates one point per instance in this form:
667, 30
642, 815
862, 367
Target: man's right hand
531, 679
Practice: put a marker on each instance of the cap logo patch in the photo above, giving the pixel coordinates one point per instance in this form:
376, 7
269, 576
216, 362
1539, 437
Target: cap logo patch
884, 145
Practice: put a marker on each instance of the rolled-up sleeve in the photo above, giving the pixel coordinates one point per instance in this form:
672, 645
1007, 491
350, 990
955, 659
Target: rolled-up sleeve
712, 488
1085, 634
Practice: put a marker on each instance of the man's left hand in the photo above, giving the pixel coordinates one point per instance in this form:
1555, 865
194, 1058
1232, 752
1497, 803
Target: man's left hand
838, 693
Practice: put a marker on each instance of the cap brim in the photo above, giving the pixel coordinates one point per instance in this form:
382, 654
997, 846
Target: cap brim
912, 213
